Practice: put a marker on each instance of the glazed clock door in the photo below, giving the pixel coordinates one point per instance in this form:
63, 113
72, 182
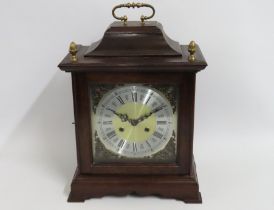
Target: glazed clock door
134, 124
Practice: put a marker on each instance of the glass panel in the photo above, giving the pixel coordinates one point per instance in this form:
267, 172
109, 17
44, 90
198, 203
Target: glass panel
134, 123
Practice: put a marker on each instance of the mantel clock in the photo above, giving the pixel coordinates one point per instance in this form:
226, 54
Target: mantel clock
133, 95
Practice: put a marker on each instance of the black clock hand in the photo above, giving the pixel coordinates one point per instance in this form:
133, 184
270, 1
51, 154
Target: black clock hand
123, 117
157, 109
142, 118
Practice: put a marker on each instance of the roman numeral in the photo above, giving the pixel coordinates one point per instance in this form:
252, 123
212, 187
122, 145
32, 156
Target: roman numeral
134, 147
107, 122
149, 145
121, 143
161, 122
149, 98
134, 96
111, 134
158, 135
120, 100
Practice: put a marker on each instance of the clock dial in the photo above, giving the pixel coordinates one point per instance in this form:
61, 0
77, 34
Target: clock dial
134, 121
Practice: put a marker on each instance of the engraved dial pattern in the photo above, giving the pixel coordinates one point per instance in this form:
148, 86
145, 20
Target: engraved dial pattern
134, 121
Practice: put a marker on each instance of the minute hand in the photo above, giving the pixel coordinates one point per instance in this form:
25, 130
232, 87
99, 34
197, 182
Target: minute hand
142, 118
154, 111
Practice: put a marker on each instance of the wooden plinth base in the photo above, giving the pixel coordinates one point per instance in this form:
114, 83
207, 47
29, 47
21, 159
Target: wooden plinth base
183, 188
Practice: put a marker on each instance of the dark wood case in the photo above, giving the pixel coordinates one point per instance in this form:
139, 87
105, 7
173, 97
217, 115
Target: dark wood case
134, 53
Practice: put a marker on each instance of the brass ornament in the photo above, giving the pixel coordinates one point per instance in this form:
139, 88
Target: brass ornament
133, 5
73, 51
192, 50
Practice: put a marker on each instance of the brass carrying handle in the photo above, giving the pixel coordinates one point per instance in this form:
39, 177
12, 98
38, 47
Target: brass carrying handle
133, 5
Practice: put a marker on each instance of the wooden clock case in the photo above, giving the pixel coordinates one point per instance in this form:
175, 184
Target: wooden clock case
134, 53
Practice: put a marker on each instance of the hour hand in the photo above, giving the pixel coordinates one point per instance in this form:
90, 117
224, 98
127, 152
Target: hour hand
123, 117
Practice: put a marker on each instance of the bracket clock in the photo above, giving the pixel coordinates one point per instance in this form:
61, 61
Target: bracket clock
133, 94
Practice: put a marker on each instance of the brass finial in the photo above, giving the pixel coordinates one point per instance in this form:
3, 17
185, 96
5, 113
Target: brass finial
73, 51
192, 50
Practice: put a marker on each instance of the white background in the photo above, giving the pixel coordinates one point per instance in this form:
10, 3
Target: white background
234, 136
